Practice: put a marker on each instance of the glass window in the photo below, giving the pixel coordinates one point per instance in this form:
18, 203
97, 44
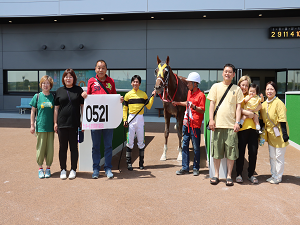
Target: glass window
208, 77
122, 78
22, 81
55, 74
281, 82
293, 80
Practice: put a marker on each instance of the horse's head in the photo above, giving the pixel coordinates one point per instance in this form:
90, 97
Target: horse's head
162, 75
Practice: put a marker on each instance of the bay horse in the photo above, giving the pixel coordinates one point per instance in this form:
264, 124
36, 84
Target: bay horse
170, 88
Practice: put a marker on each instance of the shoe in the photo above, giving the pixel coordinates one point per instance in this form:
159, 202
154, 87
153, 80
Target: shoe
129, 166
253, 179
95, 174
47, 173
182, 172
269, 179
214, 181
41, 174
229, 182
239, 179
195, 172
72, 174
63, 175
109, 174
274, 181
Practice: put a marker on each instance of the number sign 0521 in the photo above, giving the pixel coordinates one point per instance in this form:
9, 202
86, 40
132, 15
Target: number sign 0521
102, 112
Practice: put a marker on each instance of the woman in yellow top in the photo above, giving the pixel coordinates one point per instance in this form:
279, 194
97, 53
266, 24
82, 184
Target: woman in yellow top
273, 113
247, 136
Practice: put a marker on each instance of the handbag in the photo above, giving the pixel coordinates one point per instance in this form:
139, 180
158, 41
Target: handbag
37, 100
218, 106
80, 135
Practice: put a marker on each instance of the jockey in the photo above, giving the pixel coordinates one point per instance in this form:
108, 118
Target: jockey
135, 100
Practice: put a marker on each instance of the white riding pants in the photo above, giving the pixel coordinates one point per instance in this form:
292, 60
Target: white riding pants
277, 161
136, 127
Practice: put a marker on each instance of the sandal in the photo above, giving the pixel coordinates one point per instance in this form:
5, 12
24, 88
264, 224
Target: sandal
253, 179
239, 179
214, 181
229, 182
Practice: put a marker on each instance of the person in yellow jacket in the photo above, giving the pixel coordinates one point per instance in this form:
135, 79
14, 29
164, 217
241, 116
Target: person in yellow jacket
273, 113
134, 100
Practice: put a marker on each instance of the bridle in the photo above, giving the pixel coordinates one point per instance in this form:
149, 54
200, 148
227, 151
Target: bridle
165, 81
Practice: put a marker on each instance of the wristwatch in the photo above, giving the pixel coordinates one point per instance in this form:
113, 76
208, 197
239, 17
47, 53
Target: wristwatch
239, 124
194, 107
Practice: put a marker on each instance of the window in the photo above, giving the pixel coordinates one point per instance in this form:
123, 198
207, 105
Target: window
122, 78
22, 81
208, 77
55, 74
28, 81
293, 80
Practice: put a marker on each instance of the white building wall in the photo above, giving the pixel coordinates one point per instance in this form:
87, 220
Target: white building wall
28, 8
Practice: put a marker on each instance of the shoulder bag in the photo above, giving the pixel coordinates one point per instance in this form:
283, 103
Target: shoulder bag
218, 106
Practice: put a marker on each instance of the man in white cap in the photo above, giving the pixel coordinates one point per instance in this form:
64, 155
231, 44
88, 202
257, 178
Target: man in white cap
195, 107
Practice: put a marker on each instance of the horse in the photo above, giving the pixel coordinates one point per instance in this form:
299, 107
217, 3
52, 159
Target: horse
171, 88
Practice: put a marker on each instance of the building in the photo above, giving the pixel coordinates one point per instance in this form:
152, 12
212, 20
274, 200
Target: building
38, 37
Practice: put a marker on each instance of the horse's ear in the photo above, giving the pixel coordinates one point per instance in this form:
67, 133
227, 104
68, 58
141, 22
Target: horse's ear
158, 60
168, 60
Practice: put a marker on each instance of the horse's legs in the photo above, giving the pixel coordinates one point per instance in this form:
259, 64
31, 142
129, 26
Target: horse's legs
179, 133
167, 125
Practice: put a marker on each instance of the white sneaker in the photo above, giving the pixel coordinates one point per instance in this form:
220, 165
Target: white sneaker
63, 175
274, 181
72, 174
269, 179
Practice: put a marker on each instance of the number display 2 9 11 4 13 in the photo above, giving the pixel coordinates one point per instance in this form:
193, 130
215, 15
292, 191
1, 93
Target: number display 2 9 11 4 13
284, 32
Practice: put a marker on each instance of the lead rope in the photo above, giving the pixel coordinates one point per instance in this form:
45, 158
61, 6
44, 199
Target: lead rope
128, 125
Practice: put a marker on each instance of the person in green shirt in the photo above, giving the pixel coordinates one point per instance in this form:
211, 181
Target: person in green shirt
42, 107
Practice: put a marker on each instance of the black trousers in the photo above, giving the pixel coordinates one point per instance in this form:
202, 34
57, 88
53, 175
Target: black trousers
68, 136
247, 137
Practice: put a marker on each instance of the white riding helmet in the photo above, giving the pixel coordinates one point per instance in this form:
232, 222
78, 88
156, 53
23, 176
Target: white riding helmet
194, 77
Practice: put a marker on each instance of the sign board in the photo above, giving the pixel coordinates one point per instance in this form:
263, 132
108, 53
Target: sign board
284, 32
102, 112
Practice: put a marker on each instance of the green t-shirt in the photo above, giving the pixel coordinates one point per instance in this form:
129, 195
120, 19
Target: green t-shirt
45, 112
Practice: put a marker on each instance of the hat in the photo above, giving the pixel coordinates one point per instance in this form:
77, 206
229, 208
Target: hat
194, 77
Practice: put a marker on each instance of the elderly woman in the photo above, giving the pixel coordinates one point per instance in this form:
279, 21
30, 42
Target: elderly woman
273, 113
247, 136
68, 102
43, 107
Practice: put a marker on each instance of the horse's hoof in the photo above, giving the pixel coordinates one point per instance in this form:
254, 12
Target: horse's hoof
163, 158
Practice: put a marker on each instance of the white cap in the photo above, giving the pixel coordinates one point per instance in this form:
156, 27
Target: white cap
194, 77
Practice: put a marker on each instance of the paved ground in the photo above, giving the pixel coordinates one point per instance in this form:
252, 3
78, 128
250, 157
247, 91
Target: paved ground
152, 196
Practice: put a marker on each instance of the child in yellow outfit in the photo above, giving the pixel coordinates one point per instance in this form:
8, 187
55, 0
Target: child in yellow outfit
252, 100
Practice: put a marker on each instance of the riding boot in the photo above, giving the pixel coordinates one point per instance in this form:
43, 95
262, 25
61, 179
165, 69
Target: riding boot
128, 159
141, 163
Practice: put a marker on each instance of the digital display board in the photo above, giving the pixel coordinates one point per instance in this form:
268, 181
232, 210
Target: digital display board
284, 32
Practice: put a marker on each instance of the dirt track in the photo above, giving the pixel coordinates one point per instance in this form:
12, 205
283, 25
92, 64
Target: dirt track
151, 196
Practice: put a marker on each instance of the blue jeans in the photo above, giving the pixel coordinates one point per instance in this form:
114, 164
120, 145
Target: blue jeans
107, 138
185, 147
